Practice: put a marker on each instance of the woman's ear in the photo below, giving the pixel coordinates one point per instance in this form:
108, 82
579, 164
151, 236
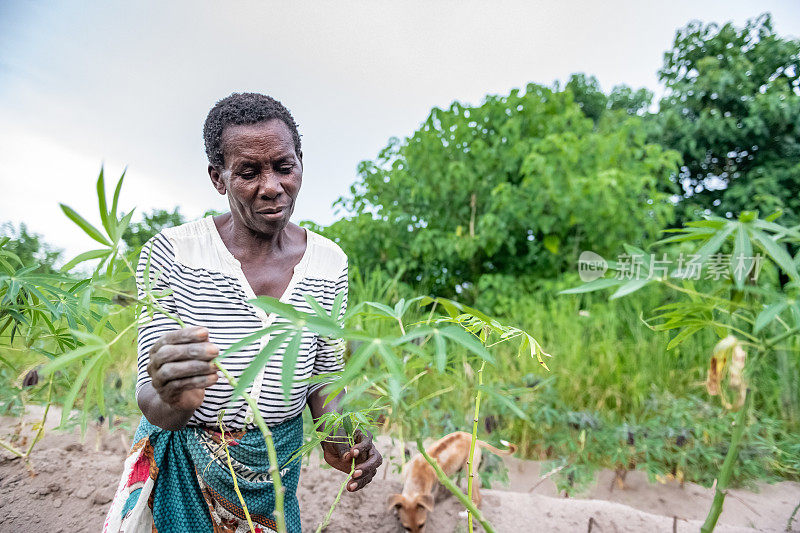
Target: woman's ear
216, 179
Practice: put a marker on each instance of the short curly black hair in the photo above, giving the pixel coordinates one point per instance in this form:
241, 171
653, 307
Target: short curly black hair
238, 109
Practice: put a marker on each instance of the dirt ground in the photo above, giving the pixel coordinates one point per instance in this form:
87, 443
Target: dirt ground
72, 481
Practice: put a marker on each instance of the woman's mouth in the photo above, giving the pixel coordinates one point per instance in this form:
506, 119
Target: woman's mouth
272, 213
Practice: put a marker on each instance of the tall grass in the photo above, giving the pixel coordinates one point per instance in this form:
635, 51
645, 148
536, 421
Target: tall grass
614, 396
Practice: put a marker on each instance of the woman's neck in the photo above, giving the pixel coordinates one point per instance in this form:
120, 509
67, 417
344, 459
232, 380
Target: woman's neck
246, 244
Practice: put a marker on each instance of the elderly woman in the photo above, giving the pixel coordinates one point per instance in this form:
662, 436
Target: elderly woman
177, 478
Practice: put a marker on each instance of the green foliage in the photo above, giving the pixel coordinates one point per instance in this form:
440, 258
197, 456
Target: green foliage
734, 302
595, 103
516, 186
138, 233
30, 248
683, 438
731, 106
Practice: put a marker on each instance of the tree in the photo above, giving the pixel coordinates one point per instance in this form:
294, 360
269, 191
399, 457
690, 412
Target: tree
139, 233
595, 103
732, 110
515, 187
30, 247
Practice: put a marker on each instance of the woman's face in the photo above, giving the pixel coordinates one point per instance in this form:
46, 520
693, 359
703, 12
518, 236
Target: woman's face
261, 175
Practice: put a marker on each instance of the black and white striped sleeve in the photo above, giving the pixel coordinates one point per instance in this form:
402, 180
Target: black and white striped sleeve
330, 352
158, 252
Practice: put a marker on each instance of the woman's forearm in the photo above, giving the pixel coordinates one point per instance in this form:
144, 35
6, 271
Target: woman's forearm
316, 403
160, 413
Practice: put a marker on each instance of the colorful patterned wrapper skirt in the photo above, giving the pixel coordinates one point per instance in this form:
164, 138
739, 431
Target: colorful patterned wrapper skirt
179, 481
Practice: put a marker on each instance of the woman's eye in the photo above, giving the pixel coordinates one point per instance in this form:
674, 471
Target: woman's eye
286, 169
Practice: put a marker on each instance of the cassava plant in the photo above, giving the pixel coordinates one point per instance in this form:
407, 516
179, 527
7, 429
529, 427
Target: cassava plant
79, 324
413, 351
739, 278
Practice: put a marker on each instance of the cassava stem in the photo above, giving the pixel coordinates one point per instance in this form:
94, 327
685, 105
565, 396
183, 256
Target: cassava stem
327, 519
274, 470
233, 475
727, 467
449, 485
470, 466
44, 420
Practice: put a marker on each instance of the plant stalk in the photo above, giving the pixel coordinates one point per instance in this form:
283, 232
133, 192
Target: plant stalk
44, 419
233, 475
470, 466
449, 485
727, 467
11, 448
274, 470
327, 520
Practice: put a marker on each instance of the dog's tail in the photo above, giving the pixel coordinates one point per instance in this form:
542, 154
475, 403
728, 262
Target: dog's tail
511, 447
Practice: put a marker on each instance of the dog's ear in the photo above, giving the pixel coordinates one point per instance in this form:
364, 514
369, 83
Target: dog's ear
425, 501
395, 501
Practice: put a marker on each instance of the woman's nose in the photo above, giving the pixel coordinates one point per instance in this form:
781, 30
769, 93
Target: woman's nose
269, 186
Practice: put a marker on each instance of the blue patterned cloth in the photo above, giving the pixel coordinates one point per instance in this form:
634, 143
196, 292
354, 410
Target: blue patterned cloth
192, 488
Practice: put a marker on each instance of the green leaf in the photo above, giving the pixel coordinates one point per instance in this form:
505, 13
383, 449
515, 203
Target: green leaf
90, 230
355, 364
461, 337
338, 301
387, 311
115, 201
391, 361
261, 358
552, 243
777, 253
777, 228
102, 204
289, 363
768, 315
682, 335
85, 256
273, 305
504, 400
70, 357
594, 285
69, 400
312, 302
715, 223
714, 243
742, 251
123, 225
630, 287
250, 339
440, 353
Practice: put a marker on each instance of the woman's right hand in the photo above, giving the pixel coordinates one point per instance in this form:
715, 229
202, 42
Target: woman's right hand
181, 367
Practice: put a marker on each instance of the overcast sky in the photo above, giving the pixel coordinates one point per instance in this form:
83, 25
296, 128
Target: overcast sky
129, 84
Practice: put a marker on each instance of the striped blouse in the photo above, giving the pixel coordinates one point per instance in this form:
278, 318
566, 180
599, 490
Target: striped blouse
208, 288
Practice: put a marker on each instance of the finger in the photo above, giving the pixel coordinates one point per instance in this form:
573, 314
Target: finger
363, 445
175, 387
370, 464
359, 483
181, 336
182, 369
204, 351
342, 450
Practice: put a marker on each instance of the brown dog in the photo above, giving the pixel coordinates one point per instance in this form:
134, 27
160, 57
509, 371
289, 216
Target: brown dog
420, 480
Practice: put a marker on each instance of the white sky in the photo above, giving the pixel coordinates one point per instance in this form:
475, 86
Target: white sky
130, 83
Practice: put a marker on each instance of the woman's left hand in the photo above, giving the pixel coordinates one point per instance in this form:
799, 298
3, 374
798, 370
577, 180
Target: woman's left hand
340, 456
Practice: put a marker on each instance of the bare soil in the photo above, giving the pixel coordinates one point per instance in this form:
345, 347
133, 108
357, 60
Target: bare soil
70, 482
